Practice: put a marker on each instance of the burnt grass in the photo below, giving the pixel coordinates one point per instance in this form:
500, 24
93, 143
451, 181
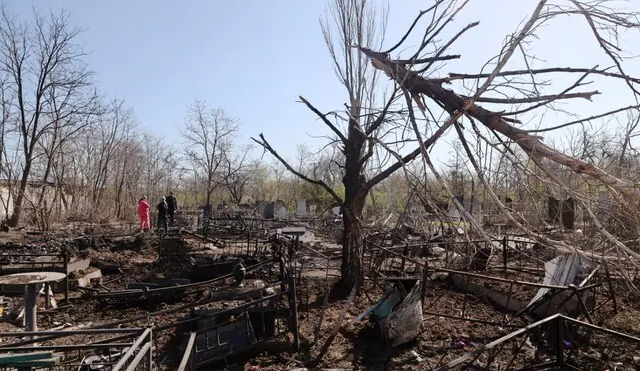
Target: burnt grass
357, 345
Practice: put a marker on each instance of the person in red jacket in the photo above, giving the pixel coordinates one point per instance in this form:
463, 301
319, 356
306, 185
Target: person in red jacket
143, 212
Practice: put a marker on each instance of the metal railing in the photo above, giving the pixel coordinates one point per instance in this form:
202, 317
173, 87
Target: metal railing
130, 350
20, 262
556, 342
224, 333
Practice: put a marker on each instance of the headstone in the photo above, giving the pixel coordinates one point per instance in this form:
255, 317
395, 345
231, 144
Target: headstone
261, 208
206, 211
302, 208
269, 210
282, 213
568, 213
336, 211
553, 209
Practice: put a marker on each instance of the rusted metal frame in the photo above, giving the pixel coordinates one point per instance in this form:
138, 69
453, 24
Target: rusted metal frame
323, 256
475, 354
509, 298
466, 298
64, 347
196, 319
73, 332
182, 287
494, 354
504, 253
193, 234
205, 331
516, 353
549, 320
498, 279
559, 323
473, 320
105, 326
146, 348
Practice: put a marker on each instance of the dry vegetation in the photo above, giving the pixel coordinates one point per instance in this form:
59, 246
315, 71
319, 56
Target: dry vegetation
480, 226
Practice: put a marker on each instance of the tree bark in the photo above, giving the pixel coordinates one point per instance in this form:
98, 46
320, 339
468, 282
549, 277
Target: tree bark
351, 271
19, 200
354, 181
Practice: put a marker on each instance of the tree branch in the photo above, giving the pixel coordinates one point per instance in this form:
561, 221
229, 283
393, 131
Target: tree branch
416, 84
540, 98
324, 119
463, 76
264, 144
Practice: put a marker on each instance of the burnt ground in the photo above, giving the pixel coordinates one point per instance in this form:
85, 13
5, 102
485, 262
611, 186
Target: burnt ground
357, 345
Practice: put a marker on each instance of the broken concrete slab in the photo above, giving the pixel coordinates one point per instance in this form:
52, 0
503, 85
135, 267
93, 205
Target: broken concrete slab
78, 265
85, 280
563, 270
502, 300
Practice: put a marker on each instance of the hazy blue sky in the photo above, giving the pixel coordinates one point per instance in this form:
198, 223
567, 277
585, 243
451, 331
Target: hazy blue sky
255, 57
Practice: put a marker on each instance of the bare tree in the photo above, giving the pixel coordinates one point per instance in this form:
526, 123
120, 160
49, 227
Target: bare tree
357, 23
237, 171
604, 20
209, 135
6, 103
51, 83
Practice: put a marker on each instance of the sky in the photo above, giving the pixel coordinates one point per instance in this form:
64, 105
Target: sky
254, 58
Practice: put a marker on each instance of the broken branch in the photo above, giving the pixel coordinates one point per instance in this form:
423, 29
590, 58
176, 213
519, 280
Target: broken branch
264, 144
324, 119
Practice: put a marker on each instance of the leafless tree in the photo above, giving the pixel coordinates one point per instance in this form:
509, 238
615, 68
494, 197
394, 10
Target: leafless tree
465, 112
357, 23
51, 83
6, 103
236, 173
209, 135
368, 127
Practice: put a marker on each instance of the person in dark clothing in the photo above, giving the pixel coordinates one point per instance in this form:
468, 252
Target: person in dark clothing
172, 203
163, 209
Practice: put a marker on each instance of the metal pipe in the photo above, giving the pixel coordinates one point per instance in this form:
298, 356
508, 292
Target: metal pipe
66, 277
188, 353
132, 349
74, 332
136, 361
64, 347
30, 307
183, 287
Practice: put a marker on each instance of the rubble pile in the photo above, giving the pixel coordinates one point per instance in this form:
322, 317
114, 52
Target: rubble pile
243, 290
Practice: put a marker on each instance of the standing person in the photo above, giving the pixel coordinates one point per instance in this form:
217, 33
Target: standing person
143, 212
173, 207
163, 208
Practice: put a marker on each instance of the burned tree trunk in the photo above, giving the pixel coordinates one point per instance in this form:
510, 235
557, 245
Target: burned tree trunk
352, 241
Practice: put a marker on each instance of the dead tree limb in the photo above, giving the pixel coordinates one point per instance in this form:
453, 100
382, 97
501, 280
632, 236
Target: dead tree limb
416, 84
